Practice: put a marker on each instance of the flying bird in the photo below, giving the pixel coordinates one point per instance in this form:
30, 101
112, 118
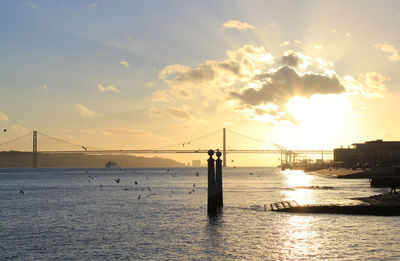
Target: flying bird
117, 180
21, 192
138, 197
197, 174
84, 148
194, 185
4, 130
192, 191
151, 194
135, 182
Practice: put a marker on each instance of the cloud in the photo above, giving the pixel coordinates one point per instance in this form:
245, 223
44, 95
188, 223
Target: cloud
111, 88
291, 58
281, 85
318, 47
285, 43
3, 116
93, 5
370, 84
254, 83
173, 112
117, 132
85, 112
210, 78
124, 63
236, 24
388, 48
150, 84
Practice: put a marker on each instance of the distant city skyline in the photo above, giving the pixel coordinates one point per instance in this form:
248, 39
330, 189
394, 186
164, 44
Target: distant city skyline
144, 74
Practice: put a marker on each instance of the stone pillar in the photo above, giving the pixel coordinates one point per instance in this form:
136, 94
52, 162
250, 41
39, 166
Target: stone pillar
218, 179
211, 199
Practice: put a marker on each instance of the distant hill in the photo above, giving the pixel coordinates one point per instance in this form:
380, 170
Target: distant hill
14, 159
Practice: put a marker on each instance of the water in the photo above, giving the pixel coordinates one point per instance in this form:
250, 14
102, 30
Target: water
64, 217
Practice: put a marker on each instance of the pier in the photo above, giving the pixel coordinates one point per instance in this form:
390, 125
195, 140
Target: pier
386, 204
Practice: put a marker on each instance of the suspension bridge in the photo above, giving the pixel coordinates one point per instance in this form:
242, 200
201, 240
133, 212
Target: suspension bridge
288, 156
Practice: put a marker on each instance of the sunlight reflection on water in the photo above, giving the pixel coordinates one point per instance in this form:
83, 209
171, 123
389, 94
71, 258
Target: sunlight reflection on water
63, 216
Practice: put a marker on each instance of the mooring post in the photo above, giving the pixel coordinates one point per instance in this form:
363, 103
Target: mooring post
211, 200
218, 179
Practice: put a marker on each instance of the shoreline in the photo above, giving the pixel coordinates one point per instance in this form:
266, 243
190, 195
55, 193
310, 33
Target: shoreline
341, 173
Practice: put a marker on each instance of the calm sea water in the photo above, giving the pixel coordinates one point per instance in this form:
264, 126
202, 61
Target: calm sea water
63, 216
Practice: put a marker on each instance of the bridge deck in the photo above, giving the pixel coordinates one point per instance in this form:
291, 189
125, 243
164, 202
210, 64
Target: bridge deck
191, 151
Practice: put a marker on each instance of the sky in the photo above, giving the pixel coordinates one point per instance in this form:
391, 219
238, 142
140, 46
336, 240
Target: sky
148, 74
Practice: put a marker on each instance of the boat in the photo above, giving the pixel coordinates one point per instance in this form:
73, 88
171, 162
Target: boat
111, 164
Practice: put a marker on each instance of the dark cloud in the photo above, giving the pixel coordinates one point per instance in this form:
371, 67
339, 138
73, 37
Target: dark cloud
286, 83
291, 58
202, 73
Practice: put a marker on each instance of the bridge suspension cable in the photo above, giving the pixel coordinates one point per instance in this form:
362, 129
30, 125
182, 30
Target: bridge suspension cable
187, 142
67, 142
247, 137
16, 139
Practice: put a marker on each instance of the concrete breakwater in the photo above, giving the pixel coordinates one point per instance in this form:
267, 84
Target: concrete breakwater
387, 204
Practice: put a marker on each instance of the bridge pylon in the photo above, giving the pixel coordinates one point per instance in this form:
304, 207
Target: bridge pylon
223, 147
34, 150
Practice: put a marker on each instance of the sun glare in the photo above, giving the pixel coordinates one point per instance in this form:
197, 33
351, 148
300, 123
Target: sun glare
319, 117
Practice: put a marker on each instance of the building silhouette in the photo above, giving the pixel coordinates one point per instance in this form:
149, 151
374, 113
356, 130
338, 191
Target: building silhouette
377, 153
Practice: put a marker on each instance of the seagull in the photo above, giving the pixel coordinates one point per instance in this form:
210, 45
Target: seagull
84, 148
194, 185
117, 180
197, 174
192, 191
138, 197
101, 186
151, 194
135, 182
149, 188
21, 192
4, 130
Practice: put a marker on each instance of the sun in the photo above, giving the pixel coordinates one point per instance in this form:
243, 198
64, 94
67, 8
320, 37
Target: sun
320, 118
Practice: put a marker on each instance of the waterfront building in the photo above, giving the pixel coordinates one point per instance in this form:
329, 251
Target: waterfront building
377, 153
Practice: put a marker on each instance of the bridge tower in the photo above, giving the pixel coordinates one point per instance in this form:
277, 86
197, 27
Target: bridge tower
34, 155
224, 147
